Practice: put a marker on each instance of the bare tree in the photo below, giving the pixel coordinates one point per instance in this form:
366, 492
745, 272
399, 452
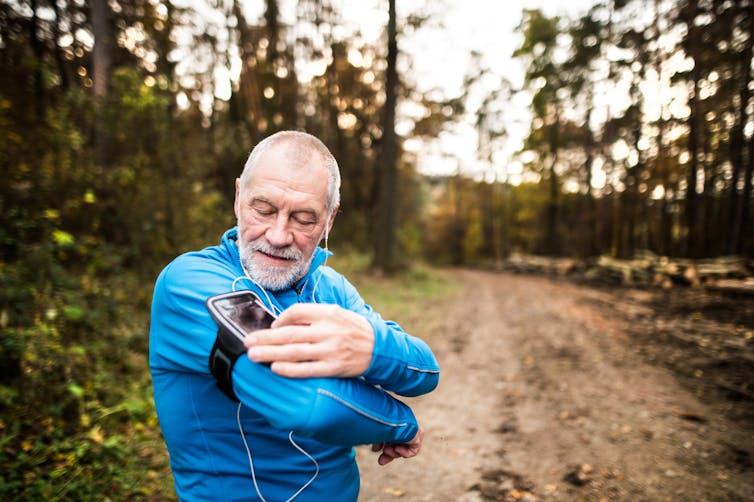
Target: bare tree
385, 238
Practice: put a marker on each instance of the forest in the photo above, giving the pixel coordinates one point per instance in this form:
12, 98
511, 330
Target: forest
124, 123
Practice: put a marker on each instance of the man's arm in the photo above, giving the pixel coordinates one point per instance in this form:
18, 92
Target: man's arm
346, 340
337, 411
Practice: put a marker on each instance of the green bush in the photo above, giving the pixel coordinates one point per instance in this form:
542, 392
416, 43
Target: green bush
77, 418
78, 421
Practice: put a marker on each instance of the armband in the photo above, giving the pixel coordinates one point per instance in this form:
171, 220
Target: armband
236, 313
223, 357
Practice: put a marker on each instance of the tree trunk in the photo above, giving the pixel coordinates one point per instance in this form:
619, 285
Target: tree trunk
386, 245
36, 45
739, 202
101, 62
169, 153
657, 236
248, 104
590, 246
498, 217
693, 142
616, 241
59, 60
691, 175
332, 77
552, 206
745, 201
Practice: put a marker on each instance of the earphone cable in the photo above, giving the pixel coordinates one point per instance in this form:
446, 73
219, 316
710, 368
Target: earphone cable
251, 461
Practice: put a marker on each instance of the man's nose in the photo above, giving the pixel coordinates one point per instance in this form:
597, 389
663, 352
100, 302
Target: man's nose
278, 234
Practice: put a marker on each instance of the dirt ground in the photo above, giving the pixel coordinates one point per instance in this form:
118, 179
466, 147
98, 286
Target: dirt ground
556, 391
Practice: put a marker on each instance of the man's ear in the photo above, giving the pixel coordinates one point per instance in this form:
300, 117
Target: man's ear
237, 201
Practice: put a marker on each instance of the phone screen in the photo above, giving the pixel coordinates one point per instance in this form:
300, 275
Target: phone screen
241, 312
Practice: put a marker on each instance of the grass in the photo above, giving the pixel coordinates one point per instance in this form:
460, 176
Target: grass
411, 297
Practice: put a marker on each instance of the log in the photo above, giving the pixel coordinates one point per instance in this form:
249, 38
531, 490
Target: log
743, 287
726, 273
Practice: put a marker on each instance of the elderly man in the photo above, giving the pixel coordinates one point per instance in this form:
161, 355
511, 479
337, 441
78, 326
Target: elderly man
311, 386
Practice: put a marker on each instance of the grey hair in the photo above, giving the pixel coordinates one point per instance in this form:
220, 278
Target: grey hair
304, 146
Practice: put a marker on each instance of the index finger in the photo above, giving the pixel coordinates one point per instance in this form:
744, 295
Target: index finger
301, 313
283, 335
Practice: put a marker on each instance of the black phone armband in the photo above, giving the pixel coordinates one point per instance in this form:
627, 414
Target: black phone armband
223, 357
236, 314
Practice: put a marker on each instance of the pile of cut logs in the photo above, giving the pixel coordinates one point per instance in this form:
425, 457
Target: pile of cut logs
734, 274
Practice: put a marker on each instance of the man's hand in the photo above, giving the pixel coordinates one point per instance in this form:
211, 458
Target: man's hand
391, 451
313, 340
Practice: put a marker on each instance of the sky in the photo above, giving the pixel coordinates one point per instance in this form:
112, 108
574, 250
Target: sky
440, 54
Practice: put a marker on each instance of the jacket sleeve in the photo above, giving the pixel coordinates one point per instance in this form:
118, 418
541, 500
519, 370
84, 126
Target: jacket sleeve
401, 363
343, 412
337, 411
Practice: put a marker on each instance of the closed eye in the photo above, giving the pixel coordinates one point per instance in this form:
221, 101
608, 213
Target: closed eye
304, 221
263, 208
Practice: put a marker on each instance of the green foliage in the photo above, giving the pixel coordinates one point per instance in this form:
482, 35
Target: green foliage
77, 418
76, 406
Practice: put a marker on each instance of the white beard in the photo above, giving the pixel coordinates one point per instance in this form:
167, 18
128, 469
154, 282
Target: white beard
271, 277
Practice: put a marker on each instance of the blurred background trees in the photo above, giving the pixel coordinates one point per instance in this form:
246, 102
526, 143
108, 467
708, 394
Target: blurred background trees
640, 130
124, 123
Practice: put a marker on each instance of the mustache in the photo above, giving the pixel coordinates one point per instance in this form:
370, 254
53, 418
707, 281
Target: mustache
287, 253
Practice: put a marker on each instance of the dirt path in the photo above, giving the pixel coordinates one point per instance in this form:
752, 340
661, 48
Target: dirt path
546, 395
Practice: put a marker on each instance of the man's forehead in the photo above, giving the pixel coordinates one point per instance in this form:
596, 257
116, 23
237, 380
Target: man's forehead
277, 182
295, 154
292, 167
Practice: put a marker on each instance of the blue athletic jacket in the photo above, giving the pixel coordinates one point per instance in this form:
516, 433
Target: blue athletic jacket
298, 433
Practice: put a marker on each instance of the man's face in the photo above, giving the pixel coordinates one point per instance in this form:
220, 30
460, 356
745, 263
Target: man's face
282, 217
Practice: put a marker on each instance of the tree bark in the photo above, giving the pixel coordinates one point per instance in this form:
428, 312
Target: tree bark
36, 45
590, 246
249, 106
59, 60
552, 205
744, 202
693, 142
661, 168
739, 202
102, 69
386, 245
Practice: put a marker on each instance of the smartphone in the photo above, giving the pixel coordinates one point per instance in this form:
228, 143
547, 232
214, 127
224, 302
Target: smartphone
239, 312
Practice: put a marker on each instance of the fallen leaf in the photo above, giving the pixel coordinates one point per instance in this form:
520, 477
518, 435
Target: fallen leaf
395, 492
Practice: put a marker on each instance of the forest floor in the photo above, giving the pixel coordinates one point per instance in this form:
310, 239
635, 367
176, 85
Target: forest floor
552, 390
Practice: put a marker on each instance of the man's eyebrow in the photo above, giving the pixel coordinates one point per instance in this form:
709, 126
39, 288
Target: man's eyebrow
264, 200
310, 211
